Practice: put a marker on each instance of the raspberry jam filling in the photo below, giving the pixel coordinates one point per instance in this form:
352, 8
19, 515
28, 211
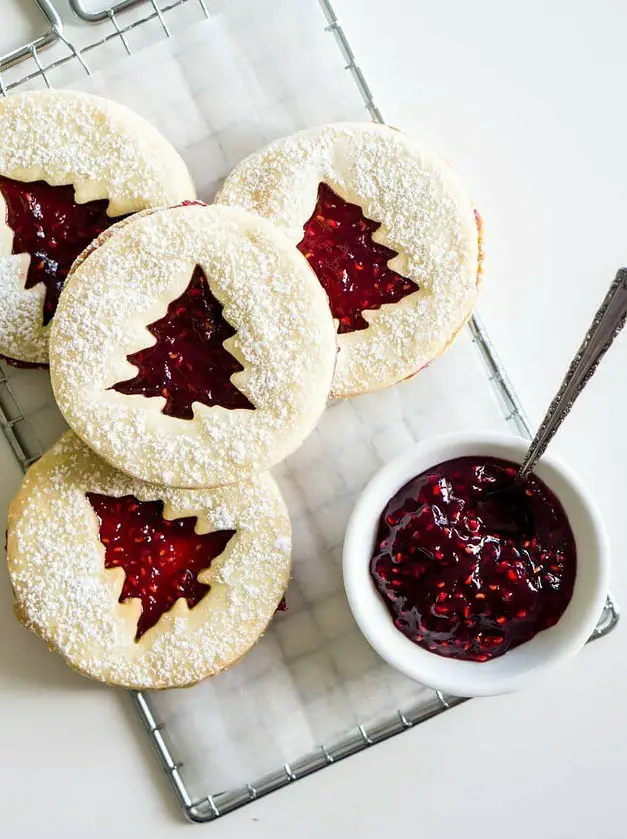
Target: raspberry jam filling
23, 365
351, 266
469, 572
48, 224
161, 558
188, 363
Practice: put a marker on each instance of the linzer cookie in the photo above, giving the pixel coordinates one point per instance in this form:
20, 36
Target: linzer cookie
71, 164
144, 586
193, 346
388, 230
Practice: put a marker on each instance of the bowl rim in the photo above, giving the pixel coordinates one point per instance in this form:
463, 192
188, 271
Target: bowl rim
463, 678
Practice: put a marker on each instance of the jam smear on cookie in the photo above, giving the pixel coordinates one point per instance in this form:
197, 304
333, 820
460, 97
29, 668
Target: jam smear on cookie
161, 558
351, 266
188, 363
49, 225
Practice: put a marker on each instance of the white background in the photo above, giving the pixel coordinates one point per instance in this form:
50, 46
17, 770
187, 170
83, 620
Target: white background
527, 101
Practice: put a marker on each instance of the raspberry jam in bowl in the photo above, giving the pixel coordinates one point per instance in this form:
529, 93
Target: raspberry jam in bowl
464, 579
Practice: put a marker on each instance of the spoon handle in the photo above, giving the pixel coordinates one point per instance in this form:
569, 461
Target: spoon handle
607, 323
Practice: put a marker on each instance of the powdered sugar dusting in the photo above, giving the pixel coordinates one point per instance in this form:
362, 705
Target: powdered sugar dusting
106, 152
425, 217
64, 593
21, 333
284, 340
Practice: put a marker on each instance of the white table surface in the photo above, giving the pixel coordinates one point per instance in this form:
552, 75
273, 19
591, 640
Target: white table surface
527, 101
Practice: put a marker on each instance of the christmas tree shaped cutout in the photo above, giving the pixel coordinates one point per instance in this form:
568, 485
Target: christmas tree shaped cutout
161, 558
351, 267
53, 229
188, 363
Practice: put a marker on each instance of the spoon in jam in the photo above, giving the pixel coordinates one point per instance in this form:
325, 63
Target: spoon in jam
476, 555
605, 326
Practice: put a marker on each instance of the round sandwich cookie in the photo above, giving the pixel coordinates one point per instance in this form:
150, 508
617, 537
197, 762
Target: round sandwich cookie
193, 346
71, 164
141, 586
388, 230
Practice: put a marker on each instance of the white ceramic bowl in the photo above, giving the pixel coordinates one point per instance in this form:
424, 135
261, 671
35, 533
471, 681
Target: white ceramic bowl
520, 665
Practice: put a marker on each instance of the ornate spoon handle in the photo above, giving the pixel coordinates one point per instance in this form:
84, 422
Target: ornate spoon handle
607, 323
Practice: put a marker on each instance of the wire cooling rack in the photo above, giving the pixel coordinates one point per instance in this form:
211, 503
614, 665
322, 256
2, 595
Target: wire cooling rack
24, 67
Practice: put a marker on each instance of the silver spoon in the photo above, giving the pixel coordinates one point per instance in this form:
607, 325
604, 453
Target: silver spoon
607, 323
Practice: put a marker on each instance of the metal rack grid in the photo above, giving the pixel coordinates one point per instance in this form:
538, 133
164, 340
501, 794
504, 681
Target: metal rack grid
53, 33
26, 448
